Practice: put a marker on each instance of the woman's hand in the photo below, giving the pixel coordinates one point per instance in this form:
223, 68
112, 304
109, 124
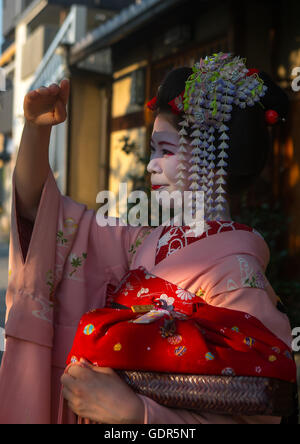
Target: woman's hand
100, 395
47, 106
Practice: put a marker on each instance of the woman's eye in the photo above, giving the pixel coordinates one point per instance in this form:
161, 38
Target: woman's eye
168, 153
164, 151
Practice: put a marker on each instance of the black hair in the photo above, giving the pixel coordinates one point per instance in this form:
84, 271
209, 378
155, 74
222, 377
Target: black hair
248, 131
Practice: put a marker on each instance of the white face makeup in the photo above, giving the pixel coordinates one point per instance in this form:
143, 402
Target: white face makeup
164, 160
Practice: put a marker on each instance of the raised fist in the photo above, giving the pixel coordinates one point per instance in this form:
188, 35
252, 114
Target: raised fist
47, 106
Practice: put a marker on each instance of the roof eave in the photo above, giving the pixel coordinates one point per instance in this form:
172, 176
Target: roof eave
137, 17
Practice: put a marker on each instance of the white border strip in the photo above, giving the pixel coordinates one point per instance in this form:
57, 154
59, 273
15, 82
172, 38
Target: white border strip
2, 339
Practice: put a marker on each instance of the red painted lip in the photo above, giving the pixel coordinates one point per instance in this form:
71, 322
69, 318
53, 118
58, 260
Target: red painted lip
157, 187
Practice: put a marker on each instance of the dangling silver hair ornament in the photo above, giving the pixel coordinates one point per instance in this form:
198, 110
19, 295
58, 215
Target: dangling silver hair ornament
217, 83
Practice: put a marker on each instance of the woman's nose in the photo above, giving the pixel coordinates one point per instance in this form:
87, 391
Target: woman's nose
154, 166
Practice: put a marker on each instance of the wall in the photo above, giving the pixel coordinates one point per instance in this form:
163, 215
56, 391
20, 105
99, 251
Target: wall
88, 152
35, 47
122, 165
212, 24
287, 58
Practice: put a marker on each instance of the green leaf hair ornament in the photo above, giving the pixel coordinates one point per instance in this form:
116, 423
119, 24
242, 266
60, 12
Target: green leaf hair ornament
218, 82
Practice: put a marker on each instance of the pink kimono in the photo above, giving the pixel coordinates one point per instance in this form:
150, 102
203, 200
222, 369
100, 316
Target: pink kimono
72, 262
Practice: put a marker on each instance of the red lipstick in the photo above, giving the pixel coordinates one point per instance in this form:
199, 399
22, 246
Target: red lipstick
157, 187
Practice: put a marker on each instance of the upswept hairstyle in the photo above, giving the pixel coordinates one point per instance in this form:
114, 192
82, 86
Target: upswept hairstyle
248, 131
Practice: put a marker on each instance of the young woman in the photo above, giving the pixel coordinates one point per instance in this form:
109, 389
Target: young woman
67, 265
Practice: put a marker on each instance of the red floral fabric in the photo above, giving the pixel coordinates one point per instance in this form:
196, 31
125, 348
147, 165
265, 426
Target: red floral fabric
173, 238
180, 334
152, 103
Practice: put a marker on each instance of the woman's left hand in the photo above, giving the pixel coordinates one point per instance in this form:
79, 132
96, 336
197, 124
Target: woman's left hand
100, 395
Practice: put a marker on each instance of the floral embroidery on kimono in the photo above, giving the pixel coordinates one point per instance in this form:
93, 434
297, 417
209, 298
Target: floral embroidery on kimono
45, 313
67, 231
138, 242
167, 301
50, 283
249, 277
76, 262
256, 281
200, 293
60, 238
184, 295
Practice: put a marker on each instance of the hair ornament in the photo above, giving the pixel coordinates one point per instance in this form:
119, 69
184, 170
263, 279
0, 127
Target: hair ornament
272, 117
217, 83
152, 104
177, 104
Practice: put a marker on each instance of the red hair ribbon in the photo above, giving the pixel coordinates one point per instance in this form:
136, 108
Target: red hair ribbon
176, 104
253, 71
272, 117
152, 104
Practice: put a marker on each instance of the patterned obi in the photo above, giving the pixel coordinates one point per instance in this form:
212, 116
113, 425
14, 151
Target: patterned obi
150, 324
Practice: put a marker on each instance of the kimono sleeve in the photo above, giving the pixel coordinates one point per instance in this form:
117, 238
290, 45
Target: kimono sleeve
239, 283
66, 254
64, 257
158, 414
28, 288
25, 372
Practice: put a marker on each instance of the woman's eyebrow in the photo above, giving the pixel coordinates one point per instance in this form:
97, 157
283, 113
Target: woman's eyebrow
165, 137
164, 142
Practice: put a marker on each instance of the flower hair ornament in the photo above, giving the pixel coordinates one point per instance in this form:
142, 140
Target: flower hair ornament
217, 83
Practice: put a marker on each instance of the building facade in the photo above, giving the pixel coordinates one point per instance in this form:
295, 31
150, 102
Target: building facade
37, 35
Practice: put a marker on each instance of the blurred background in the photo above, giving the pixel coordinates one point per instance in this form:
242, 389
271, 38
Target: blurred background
116, 53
